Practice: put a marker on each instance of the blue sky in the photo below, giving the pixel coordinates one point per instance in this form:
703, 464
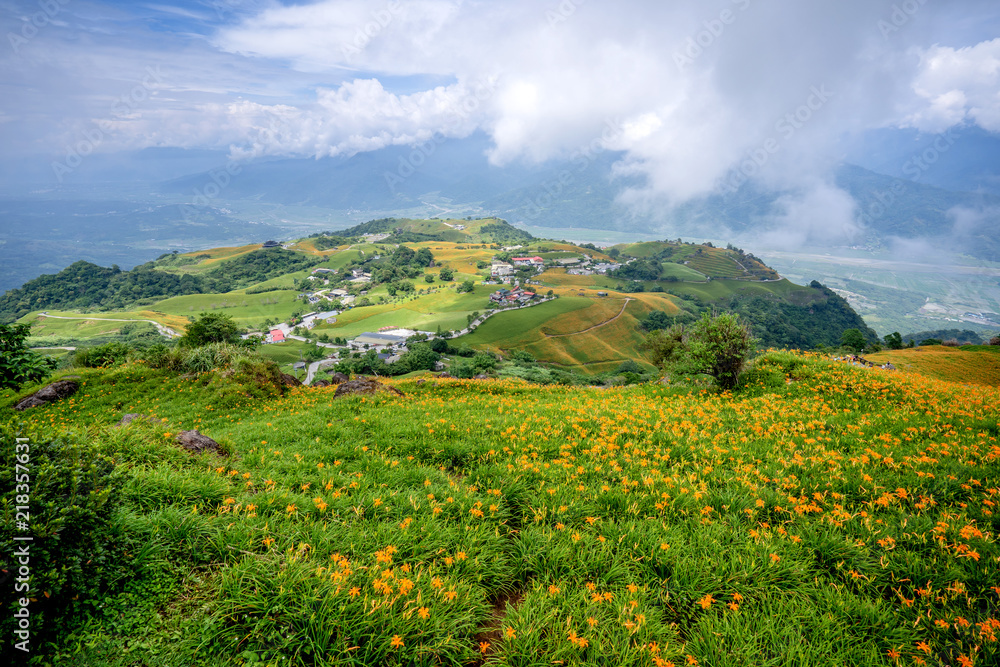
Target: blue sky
691, 90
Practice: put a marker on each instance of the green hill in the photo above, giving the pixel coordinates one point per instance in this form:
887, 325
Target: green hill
596, 324
826, 514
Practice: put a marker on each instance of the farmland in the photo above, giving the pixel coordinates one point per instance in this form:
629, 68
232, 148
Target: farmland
825, 514
972, 364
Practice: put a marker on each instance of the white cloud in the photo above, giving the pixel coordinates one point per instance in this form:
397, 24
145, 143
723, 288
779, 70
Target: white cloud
958, 85
692, 92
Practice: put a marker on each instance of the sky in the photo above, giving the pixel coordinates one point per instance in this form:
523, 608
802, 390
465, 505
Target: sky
697, 95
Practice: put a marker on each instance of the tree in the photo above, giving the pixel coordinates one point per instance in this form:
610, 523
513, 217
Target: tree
211, 328
715, 345
447, 274
995, 340
894, 341
853, 339
18, 364
467, 286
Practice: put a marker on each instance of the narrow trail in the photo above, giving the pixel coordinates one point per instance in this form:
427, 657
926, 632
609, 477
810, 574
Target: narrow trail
596, 326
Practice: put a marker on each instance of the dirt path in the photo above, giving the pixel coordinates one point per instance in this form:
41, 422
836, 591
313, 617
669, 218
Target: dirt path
596, 326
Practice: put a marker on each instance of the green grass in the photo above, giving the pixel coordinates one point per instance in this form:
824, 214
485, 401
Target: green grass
247, 309
514, 325
681, 272
843, 516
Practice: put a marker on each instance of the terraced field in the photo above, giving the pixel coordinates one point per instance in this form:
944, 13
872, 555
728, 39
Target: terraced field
717, 263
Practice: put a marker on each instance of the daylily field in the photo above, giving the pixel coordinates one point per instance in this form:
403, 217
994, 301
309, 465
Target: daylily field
825, 515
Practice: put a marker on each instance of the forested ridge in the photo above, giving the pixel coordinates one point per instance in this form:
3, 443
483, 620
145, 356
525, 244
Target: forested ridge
86, 285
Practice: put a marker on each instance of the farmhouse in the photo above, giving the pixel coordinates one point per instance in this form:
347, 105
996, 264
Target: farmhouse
275, 336
500, 269
517, 295
528, 261
389, 337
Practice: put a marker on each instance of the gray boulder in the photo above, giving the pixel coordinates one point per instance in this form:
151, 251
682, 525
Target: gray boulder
363, 386
53, 392
196, 443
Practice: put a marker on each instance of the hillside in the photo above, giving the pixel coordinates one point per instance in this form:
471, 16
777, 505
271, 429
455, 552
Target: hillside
435, 276
969, 364
826, 515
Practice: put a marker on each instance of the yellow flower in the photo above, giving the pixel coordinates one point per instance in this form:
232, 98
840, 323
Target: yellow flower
553, 589
509, 633
397, 641
354, 591
423, 613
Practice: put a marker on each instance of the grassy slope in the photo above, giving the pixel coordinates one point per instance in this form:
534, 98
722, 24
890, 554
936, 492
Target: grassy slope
973, 364
843, 518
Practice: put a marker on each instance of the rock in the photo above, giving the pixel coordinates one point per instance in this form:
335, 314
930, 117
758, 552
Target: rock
446, 374
338, 378
53, 392
290, 380
420, 382
481, 376
363, 386
197, 443
321, 383
132, 416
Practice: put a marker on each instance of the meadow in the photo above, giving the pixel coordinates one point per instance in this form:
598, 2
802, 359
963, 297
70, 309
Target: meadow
971, 364
825, 514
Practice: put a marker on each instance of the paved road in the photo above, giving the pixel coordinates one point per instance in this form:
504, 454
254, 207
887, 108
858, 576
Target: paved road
314, 368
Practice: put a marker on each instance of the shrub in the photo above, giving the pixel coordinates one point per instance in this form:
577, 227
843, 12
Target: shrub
18, 364
995, 340
102, 356
211, 328
72, 490
717, 345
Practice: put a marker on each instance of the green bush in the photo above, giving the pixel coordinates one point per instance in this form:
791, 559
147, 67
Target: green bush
18, 364
102, 356
71, 491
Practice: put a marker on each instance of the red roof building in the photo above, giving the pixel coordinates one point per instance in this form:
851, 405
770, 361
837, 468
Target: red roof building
277, 336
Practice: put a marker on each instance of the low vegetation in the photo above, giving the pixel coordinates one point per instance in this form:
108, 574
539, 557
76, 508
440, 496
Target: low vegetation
822, 514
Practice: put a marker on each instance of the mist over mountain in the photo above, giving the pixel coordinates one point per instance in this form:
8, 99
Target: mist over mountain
584, 190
